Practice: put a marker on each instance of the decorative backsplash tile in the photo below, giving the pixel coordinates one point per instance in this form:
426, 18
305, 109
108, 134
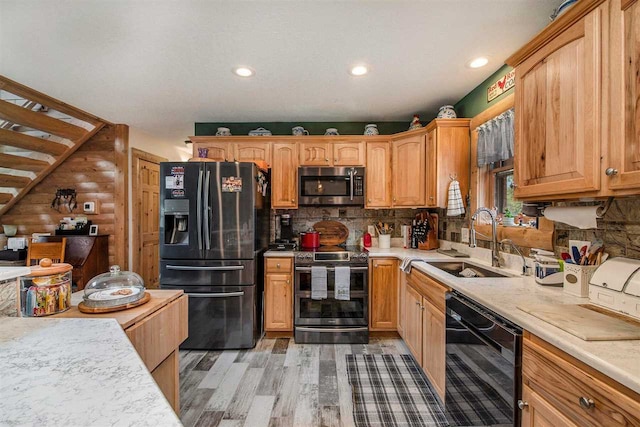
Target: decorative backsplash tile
619, 229
356, 219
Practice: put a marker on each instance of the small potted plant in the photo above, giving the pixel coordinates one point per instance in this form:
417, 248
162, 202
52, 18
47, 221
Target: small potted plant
507, 218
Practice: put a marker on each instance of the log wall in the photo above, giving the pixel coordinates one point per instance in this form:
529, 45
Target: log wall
98, 171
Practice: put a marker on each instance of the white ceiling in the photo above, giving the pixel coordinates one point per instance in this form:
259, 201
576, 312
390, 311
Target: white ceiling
160, 66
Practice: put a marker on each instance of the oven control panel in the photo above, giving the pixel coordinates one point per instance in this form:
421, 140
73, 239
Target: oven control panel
331, 257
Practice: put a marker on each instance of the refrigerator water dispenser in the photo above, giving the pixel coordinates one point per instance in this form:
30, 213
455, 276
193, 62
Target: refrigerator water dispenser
176, 217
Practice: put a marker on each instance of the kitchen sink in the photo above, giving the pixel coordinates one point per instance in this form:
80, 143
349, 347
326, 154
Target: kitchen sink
456, 267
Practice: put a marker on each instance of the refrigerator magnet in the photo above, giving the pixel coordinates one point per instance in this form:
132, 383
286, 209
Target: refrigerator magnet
231, 184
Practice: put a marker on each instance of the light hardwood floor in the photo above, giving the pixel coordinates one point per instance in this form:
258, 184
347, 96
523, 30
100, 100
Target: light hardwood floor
277, 383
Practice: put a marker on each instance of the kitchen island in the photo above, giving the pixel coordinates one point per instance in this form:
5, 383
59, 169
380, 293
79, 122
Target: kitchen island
66, 372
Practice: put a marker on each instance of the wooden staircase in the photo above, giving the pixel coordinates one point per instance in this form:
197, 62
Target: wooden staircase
37, 133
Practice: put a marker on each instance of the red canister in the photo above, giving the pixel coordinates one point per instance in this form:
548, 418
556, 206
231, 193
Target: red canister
366, 240
310, 240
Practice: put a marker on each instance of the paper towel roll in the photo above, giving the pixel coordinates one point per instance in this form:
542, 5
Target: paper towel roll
578, 216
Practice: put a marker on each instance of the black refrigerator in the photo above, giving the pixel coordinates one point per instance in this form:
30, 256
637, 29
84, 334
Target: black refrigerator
214, 230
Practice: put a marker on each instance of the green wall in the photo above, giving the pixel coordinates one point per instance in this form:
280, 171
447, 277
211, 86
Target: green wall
475, 101
314, 128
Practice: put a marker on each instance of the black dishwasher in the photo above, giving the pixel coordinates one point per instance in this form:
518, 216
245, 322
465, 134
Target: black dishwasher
484, 364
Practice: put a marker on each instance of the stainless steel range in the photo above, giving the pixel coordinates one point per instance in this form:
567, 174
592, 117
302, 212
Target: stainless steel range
337, 312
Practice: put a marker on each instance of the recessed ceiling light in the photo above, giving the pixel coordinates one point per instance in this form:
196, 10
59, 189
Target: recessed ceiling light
478, 62
243, 71
359, 70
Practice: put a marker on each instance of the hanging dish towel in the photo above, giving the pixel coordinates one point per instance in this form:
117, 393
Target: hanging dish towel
343, 283
455, 205
318, 282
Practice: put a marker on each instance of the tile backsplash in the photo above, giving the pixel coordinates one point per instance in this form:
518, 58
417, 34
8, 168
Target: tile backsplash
356, 219
619, 229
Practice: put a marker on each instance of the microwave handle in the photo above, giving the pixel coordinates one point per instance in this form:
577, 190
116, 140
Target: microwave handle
352, 173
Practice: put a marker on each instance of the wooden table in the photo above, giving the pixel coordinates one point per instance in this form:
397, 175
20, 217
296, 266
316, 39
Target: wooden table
156, 330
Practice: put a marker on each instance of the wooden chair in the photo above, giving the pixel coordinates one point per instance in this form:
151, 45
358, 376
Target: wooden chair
53, 250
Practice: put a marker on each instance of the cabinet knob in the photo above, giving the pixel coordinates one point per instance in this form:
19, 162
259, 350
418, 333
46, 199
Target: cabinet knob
288, 281
417, 303
611, 172
278, 265
394, 199
430, 197
375, 265
293, 200
586, 403
422, 307
369, 200
522, 404
335, 160
326, 160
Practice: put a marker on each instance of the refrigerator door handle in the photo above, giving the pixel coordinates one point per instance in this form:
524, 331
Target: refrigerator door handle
207, 233
199, 211
195, 268
217, 295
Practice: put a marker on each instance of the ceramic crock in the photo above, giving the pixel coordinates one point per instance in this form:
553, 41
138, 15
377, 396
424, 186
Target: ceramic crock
371, 129
447, 112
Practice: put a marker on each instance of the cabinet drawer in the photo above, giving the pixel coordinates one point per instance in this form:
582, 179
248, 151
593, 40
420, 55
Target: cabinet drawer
158, 335
564, 384
433, 291
278, 265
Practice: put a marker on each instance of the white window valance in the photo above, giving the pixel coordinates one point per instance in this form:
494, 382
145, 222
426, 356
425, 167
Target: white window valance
495, 139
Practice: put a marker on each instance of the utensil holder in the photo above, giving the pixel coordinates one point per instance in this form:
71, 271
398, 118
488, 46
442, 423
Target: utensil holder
577, 278
384, 241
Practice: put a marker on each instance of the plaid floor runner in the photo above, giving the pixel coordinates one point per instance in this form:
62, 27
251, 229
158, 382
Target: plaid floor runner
390, 390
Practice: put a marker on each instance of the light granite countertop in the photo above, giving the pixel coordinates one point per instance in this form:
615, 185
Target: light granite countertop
7, 273
616, 359
65, 372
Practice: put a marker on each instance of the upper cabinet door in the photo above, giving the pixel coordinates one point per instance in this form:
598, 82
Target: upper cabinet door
408, 159
622, 170
315, 153
253, 151
348, 154
558, 110
217, 151
284, 175
378, 175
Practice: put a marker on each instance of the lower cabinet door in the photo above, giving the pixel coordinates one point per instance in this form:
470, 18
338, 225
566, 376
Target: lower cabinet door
278, 310
537, 412
413, 326
384, 298
433, 346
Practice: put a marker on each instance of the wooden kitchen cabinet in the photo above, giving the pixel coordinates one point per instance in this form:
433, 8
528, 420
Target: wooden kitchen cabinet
378, 175
448, 145
156, 329
258, 151
331, 153
383, 294
413, 327
425, 327
433, 345
408, 171
402, 302
234, 148
623, 162
561, 390
278, 295
561, 107
540, 413
348, 153
284, 176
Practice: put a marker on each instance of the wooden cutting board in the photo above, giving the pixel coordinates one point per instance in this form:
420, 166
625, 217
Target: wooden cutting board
331, 232
585, 323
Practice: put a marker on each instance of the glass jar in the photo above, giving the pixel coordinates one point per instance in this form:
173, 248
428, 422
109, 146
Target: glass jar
46, 291
113, 289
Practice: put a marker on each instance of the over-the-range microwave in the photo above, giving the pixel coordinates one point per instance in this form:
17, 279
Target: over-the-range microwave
323, 186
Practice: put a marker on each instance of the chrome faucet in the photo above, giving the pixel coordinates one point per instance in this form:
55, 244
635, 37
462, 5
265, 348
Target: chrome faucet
525, 267
495, 257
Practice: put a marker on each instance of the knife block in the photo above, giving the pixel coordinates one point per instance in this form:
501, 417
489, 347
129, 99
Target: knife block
432, 234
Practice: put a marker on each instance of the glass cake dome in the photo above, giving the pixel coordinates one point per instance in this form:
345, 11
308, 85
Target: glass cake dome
113, 289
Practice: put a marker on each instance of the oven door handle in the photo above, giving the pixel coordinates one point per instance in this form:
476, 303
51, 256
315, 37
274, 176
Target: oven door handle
333, 269
331, 330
